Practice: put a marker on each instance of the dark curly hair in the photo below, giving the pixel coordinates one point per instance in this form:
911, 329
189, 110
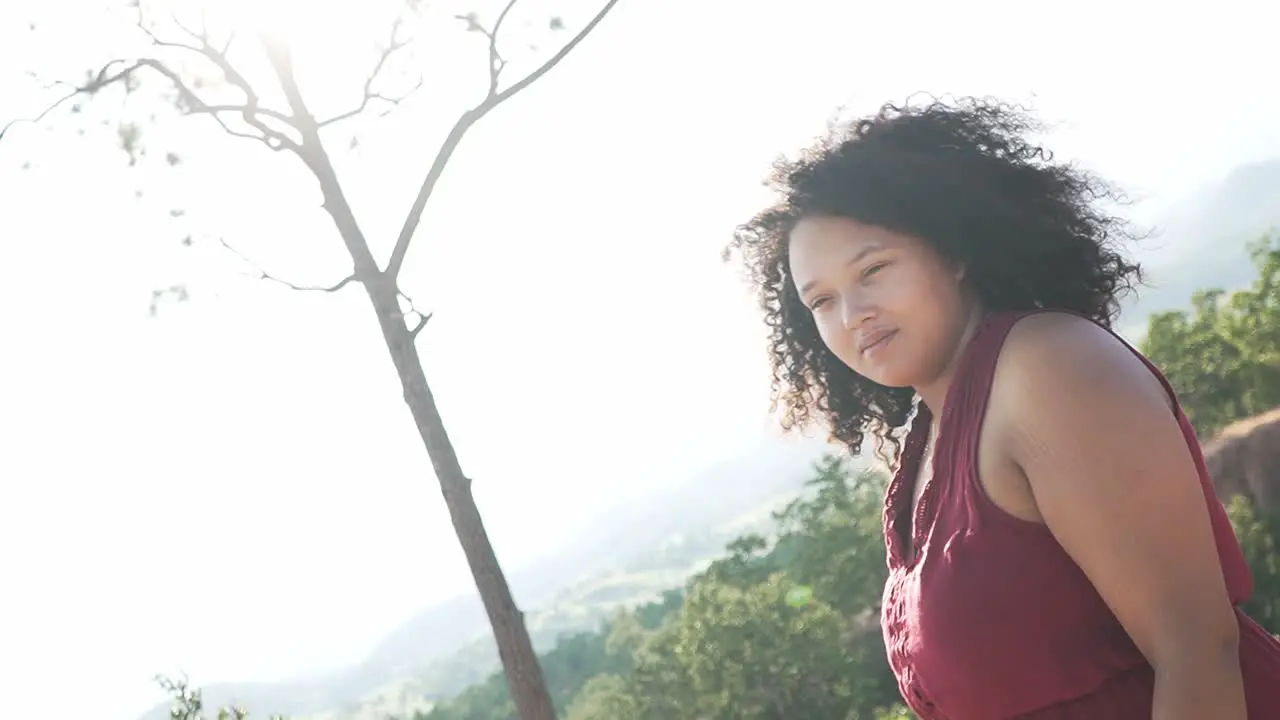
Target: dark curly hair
966, 178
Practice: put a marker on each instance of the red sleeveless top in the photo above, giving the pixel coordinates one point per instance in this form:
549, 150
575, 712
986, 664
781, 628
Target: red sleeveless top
986, 617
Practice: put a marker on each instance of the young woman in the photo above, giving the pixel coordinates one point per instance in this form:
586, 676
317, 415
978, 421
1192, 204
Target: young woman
1055, 546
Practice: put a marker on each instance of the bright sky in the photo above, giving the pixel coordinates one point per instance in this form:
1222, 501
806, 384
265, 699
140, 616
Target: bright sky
235, 488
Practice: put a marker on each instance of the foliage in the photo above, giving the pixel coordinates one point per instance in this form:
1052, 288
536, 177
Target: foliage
575, 658
1257, 533
1223, 356
604, 696
188, 704
1223, 360
780, 627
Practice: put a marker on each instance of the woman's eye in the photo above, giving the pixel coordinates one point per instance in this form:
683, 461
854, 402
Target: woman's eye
819, 302
874, 269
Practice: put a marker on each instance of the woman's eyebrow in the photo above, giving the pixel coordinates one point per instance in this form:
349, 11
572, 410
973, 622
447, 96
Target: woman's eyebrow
865, 251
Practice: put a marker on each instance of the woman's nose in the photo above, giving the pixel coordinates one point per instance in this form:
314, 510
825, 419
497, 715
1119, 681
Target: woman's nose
854, 310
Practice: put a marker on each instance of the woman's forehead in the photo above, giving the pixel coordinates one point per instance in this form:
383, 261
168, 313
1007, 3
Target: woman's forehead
824, 244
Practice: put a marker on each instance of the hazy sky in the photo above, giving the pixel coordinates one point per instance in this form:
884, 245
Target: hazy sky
235, 488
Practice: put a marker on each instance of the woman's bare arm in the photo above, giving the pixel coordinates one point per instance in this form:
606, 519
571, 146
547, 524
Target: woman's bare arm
1113, 478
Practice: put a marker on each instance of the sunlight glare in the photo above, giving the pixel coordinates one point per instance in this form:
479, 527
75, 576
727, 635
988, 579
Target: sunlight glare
326, 39
298, 24
284, 21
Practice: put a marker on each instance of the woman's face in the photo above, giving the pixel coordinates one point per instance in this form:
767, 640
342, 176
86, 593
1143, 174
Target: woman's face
888, 305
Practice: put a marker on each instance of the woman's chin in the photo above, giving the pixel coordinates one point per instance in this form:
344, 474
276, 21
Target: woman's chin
889, 378
896, 383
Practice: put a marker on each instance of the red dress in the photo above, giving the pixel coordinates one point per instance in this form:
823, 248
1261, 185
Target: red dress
986, 617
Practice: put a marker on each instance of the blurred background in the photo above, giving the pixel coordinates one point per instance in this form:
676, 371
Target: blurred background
209, 474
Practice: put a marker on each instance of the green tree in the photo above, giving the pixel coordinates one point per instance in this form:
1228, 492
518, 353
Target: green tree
783, 627
833, 541
1222, 357
188, 703
206, 70
568, 667
761, 652
1258, 533
604, 696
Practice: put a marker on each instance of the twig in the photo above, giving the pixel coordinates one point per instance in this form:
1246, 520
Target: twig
422, 319
218, 56
493, 45
395, 43
104, 78
314, 155
189, 102
422, 322
496, 62
459, 130
264, 275
251, 110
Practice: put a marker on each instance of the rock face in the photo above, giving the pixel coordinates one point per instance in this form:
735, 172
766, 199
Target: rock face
1244, 459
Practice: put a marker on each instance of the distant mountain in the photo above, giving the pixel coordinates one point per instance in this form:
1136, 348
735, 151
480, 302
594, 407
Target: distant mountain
628, 555
1202, 243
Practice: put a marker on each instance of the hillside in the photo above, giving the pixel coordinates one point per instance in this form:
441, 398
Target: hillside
626, 556
780, 625
1202, 243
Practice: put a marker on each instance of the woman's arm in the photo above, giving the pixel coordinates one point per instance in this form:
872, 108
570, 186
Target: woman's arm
1116, 484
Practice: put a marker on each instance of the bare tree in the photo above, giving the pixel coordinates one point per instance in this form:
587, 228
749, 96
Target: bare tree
189, 59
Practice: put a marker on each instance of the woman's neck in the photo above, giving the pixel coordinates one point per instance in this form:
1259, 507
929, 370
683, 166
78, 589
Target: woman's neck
934, 393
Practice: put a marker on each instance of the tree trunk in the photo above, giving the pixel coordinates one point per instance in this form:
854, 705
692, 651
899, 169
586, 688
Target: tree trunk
524, 673
515, 649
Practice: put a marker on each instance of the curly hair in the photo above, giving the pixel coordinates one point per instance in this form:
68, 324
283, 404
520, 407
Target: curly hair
966, 178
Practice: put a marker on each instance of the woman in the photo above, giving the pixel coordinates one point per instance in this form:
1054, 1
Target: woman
1055, 546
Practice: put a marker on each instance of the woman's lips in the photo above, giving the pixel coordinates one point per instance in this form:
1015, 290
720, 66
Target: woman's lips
875, 340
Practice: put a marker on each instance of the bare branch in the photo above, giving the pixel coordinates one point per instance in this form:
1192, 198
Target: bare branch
370, 95
411, 221
281, 59
422, 322
189, 102
315, 157
251, 111
102, 79
264, 275
464, 123
423, 319
496, 62
546, 67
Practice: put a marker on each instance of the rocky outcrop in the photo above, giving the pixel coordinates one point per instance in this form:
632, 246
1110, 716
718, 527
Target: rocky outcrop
1244, 459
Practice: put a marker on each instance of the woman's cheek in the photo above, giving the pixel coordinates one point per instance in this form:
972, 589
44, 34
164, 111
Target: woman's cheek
833, 335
